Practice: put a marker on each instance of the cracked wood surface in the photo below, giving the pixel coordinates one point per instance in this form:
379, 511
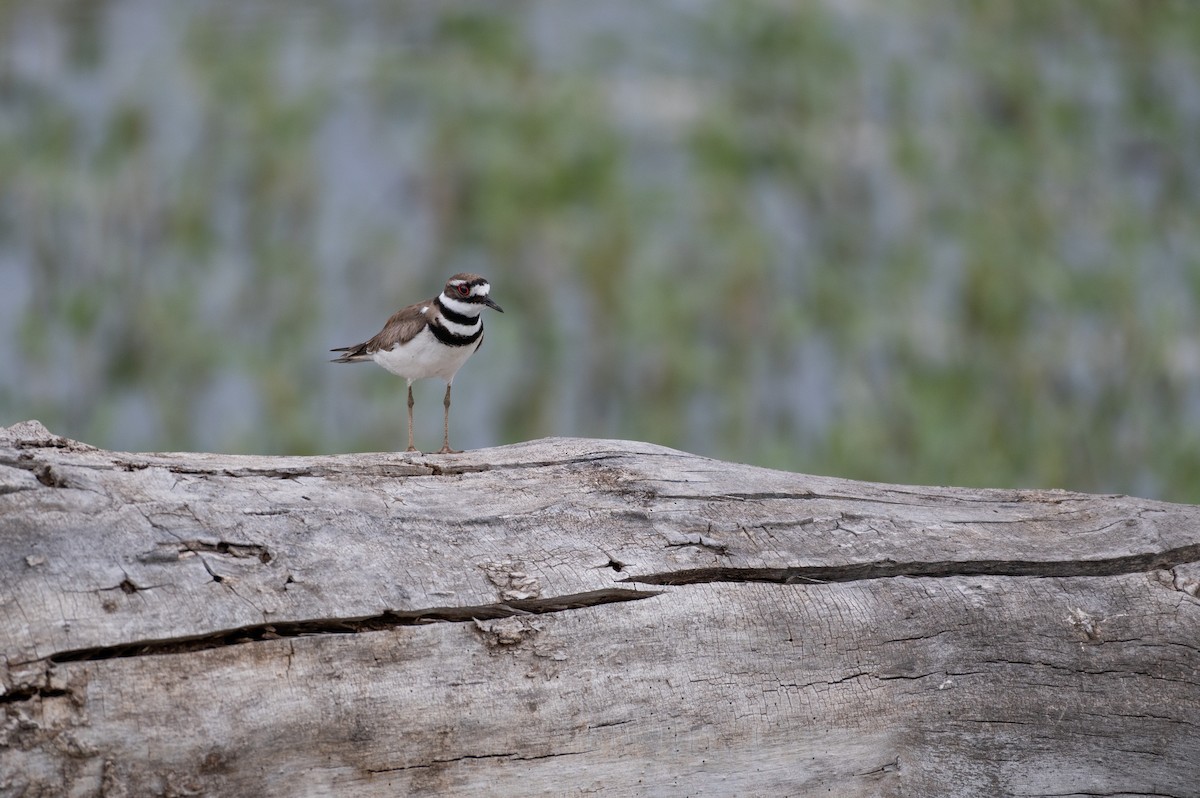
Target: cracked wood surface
580, 617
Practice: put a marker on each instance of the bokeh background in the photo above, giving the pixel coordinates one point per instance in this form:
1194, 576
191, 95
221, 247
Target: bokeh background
924, 242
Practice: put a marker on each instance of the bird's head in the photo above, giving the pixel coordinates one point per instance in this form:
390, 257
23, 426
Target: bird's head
472, 289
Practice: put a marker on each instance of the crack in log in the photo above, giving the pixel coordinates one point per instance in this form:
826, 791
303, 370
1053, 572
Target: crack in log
437, 763
701, 539
404, 466
609, 724
802, 496
237, 550
7, 489
388, 619
891, 766
886, 569
454, 469
1089, 794
440, 762
28, 692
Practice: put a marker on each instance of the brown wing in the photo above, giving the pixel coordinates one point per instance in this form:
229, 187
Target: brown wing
401, 328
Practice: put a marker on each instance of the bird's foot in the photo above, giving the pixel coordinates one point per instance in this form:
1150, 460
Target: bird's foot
447, 450
413, 449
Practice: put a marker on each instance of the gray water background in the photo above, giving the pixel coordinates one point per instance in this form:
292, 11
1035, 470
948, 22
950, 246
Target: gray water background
906, 241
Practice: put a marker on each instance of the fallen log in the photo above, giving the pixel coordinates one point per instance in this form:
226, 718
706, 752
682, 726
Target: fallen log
572, 616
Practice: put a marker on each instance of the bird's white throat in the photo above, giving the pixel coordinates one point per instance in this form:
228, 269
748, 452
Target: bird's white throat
472, 309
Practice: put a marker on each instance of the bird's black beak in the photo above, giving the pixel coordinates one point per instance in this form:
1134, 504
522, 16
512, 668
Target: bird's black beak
491, 304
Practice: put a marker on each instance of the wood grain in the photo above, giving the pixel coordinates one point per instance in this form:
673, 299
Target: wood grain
572, 617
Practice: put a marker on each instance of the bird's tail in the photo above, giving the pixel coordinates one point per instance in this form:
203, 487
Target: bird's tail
351, 354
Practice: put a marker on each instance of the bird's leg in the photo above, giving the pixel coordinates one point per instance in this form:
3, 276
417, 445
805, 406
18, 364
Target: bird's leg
446, 426
410, 448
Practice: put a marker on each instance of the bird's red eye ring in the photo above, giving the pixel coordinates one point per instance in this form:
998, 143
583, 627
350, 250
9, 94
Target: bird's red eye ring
464, 289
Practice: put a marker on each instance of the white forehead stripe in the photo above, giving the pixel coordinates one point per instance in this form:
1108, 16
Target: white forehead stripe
481, 289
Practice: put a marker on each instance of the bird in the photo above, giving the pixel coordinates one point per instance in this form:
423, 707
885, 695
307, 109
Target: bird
433, 338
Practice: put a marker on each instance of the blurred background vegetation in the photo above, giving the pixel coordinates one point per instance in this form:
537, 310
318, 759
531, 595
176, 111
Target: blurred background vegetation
920, 242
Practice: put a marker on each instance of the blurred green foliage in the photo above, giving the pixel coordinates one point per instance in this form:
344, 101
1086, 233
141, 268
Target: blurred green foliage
918, 242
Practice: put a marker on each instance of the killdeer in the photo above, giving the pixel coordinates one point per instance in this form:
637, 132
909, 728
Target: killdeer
430, 339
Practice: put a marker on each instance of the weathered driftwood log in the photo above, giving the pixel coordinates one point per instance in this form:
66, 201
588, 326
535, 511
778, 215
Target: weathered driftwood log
569, 617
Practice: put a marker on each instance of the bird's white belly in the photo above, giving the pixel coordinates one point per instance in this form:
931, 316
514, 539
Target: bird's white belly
425, 356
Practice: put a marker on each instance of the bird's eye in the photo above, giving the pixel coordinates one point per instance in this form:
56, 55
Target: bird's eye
464, 289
